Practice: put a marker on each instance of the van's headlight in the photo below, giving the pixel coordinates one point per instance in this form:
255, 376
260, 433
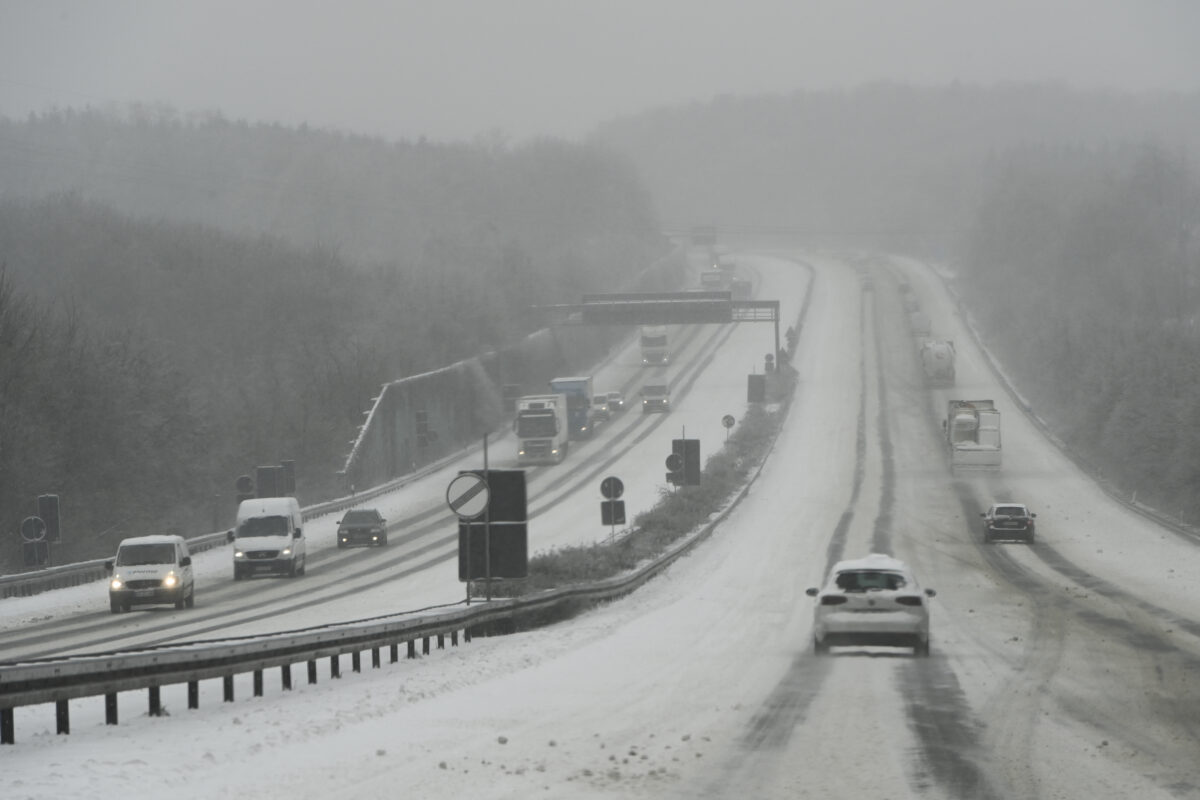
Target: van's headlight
171, 579
287, 551
117, 584
238, 554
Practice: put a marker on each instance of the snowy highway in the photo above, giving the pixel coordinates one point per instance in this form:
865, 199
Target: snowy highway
1062, 669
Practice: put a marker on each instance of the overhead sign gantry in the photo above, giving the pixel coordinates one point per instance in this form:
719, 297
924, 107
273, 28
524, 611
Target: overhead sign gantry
667, 308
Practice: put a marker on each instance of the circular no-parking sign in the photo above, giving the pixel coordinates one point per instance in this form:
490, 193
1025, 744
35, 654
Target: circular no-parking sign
612, 488
467, 495
33, 529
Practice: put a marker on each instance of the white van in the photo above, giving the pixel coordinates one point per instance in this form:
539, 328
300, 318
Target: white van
268, 538
149, 570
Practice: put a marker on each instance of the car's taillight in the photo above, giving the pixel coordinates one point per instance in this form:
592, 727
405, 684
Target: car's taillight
832, 600
909, 601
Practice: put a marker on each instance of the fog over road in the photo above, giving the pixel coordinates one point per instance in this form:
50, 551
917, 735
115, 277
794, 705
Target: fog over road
1065, 669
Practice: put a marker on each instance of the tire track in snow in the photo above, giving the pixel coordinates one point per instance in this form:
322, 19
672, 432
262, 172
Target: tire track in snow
949, 752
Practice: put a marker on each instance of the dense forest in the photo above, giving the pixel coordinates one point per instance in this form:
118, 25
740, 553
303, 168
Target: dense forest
146, 361
1071, 218
1084, 268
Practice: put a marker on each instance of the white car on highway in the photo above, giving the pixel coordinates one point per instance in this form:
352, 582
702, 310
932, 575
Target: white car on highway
874, 602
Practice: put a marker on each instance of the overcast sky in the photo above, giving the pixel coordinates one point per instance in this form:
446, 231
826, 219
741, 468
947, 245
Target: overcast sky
455, 69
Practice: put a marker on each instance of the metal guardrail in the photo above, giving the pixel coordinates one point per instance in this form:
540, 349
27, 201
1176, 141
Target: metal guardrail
58, 680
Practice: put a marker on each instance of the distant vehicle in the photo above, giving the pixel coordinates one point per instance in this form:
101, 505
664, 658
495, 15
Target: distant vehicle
542, 429
1008, 521
600, 412
972, 429
871, 602
920, 323
151, 570
653, 342
937, 359
740, 288
578, 390
269, 538
656, 398
365, 526
616, 402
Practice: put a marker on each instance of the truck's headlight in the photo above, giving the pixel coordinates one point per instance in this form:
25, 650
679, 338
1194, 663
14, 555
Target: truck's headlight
117, 583
287, 551
238, 554
171, 579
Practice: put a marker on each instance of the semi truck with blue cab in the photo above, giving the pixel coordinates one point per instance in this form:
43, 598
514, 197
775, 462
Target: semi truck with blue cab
578, 390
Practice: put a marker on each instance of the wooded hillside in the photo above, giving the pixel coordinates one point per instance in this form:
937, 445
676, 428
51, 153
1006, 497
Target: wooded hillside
1084, 268
146, 361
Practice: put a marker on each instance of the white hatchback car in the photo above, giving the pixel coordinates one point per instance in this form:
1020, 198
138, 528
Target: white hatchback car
871, 601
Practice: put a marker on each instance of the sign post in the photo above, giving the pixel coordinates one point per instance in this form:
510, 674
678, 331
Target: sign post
35, 550
468, 497
612, 510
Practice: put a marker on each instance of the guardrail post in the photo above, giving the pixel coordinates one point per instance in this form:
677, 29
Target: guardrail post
110, 708
375, 658
155, 702
312, 672
356, 661
228, 680
335, 669
394, 652
467, 634
412, 648
441, 641
8, 734
286, 677
425, 645
62, 716
193, 694
454, 638
258, 683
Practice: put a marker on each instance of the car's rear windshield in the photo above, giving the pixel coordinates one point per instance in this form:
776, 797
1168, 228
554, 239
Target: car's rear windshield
1010, 511
263, 526
866, 580
130, 555
360, 517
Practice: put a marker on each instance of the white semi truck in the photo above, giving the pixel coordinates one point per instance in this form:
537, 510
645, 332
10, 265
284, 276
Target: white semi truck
972, 430
655, 348
542, 429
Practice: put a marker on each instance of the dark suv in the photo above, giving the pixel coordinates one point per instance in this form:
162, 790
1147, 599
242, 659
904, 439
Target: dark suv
1008, 521
362, 526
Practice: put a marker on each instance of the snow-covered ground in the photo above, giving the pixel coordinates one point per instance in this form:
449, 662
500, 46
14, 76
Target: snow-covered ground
1063, 670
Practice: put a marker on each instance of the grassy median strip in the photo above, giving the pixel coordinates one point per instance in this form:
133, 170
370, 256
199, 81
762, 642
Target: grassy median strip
677, 513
